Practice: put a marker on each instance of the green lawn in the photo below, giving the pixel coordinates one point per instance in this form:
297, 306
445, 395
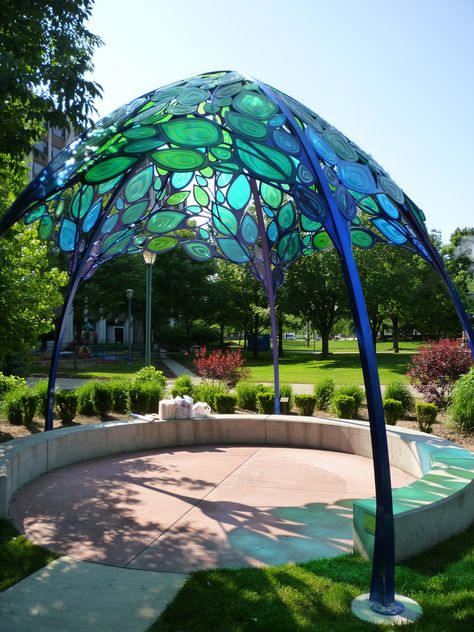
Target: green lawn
344, 368
317, 596
18, 556
348, 346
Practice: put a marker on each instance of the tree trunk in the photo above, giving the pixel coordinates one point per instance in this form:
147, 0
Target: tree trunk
324, 345
396, 346
373, 327
221, 335
245, 338
256, 325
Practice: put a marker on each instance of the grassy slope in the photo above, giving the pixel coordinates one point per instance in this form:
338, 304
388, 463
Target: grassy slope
316, 596
18, 556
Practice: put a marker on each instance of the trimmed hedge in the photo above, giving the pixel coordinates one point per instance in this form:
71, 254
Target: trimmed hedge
426, 416
120, 396
393, 410
102, 398
461, 410
323, 392
225, 403
19, 405
183, 386
266, 402
207, 390
66, 405
401, 393
305, 404
247, 395
344, 406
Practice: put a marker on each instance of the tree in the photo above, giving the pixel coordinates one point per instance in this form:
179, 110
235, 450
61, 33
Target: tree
45, 56
316, 291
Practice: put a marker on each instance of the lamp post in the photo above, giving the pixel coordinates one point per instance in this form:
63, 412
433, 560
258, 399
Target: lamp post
129, 295
149, 258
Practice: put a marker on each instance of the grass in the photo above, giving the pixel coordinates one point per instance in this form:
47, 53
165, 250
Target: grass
18, 556
317, 596
344, 368
349, 346
90, 370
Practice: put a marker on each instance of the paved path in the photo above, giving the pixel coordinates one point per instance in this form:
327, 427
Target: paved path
132, 525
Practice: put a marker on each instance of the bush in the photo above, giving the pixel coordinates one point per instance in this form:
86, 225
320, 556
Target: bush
461, 410
66, 405
102, 398
323, 392
393, 410
206, 391
287, 391
225, 403
10, 382
120, 396
426, 416
183, 386
19, 405
266, 402
145, 397
247, 395
401, 393
225, 366
351, 390
436, 367
41, 390
150, 374
344, 406
305, 404
85, 405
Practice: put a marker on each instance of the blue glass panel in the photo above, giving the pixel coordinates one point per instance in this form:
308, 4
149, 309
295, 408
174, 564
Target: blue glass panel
233, 250
67, 235
391, 232
357, 177
388, 206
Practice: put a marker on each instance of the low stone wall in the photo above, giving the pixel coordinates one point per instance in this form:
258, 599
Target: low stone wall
437, 505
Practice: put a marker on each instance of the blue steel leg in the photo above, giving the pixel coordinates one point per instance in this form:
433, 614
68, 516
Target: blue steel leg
382, 591
270, 290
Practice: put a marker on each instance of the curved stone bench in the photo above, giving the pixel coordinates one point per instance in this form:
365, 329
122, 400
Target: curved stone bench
437, 505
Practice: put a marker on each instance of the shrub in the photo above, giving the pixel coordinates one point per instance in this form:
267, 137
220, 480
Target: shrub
206, 391
9, 382
323, 392
305, 404
393, 410
183, 386
461, 410
247, 395
266, 402
145, 397
344, 406
225, 403
41, 390
426, 416
150, 374
287, 391
120, 396
401, 393
66, 405
436, 367
351, 390
85, 405
102, 398
225, 366
19, 405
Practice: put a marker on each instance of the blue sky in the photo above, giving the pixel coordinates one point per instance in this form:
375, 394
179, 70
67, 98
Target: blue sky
396, 76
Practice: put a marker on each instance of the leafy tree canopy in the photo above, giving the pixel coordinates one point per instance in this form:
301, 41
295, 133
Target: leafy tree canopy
45, 57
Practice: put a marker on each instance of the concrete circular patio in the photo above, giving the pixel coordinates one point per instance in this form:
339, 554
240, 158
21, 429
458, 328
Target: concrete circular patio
186, 508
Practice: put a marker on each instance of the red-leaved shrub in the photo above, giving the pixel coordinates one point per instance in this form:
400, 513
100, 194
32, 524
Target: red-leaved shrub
226, 366
436, 367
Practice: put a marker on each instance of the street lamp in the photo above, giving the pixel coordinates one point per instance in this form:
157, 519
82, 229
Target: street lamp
129, 295
149, 258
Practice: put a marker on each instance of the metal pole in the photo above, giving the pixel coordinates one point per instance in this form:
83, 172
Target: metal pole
268, 282
149, 272
129, 294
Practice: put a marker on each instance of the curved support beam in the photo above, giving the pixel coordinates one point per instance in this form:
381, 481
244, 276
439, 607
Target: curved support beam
270, 290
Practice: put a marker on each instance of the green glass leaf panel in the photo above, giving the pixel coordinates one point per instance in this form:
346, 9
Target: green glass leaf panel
239, 192
309, 224
139, 184
164, 221
180, 180
162, 244
140, 132
232, 250
246, 125
180, 159
45, 227
82, 201
192, 132
224, 220
177, 198
254, 104
201, 196
108, 185
361, 238
109, 168
271, 195
197, 250
322, 241
286, 216
289, 246
265, 162
147, 144
35, 214
134, 212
